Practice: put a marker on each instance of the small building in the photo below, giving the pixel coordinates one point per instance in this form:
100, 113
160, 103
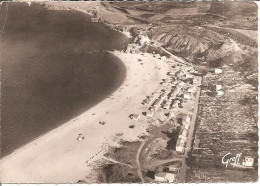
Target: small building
153, 109
183, 134
163, 58
218, 71
180, 145
187, 119
151, 99
170, 177
135, 116
157, 103
248, 162
149, 113
160, 176
191, 89
186, 96
218, 87
186, 125
220, 93
171, 73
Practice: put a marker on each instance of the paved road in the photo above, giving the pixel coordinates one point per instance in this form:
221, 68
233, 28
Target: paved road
193, 119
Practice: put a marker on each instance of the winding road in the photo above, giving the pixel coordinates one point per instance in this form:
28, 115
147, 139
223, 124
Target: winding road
139, 170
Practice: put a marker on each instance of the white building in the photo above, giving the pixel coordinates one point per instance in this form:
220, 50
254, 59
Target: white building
191, 89
186, 125
218, 71
163, 58
170, 177
186, 96
152, 98
180, 145
160, 177
219, 87
220, 93
149, 113
187, 119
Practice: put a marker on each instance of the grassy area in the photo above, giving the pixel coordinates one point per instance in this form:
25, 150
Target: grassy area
126, 153
115, 173
171, 144
118, 173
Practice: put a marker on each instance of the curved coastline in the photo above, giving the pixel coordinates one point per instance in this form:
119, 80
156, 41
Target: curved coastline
59, 127
59, 151
77, 111
50, 158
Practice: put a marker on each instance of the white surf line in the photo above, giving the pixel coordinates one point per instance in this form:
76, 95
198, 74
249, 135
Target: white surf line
5, 17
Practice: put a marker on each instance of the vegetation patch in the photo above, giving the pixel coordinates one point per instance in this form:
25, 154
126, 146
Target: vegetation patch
116, 173
124, 154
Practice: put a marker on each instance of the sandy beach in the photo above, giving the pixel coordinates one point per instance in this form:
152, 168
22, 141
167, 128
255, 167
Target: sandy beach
58, 157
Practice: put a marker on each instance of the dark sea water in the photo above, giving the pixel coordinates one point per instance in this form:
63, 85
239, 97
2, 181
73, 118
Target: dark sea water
53, 68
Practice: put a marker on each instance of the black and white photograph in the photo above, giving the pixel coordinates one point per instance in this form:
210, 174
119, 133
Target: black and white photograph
128, 92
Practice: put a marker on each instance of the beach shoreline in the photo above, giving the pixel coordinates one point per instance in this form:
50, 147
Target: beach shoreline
59, 150
121, 78
42, 113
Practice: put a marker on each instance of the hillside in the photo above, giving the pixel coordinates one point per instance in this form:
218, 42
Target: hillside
210, 34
